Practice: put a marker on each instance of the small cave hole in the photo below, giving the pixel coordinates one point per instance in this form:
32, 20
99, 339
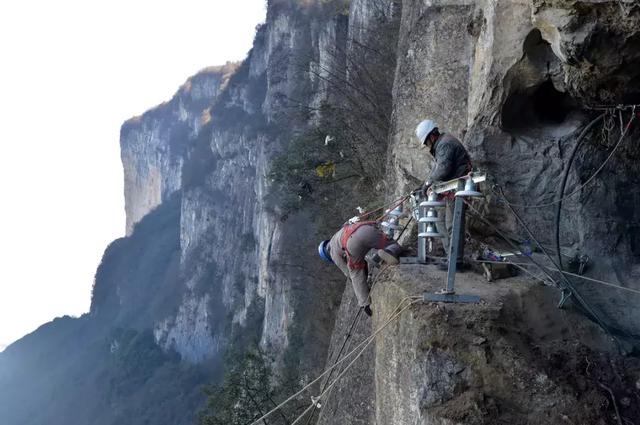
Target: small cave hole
540, 106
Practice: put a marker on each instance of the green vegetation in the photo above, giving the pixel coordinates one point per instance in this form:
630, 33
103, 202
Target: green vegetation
298, 172
247, 392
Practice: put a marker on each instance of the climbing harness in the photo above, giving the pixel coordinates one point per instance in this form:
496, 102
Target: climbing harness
347, 232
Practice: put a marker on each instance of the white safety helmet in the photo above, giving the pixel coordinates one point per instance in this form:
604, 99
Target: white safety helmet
424, 129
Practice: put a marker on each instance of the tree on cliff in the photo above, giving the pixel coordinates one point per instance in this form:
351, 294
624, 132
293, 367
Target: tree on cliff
245, 394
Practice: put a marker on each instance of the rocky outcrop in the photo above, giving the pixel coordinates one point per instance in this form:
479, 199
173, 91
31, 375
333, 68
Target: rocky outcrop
235, 251
515, 81
153, 146
513, 358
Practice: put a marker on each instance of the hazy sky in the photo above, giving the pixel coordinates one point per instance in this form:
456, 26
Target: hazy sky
71, 73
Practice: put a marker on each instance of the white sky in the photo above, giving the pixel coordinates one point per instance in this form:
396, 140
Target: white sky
71, 73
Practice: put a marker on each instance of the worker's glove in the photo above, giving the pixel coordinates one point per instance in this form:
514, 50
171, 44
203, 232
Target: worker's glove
354, 220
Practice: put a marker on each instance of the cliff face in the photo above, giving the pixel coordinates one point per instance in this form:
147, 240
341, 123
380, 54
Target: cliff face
230, 185
516, 80
153, 146
515, 358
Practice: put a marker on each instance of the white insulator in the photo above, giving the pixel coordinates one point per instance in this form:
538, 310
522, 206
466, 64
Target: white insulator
432, 232
432, 201
469, 190
396, 212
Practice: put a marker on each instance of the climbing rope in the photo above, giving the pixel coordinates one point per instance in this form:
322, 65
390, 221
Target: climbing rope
369, 340
581, 186
348, 336
520, 266
362, 345
389, 206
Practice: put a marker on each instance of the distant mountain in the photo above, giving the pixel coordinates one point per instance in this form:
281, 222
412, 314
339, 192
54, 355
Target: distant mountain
231, 184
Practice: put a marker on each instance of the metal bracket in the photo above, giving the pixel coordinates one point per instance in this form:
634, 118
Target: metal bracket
583, 262
449, 295
453, 184
450, 298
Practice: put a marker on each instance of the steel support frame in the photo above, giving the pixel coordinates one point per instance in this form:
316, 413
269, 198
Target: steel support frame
456, 244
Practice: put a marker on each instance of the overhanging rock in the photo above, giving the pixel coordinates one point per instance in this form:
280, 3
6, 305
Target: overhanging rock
514, 358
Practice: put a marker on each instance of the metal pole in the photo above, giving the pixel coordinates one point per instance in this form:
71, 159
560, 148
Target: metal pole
422, 228
457, 239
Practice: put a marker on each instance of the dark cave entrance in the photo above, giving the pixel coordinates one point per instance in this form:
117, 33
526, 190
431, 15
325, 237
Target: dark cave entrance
536, 102
540, 106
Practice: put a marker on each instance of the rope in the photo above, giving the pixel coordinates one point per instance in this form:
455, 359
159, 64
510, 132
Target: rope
583, 185
353, 324
495, 229
392, 206
519, 266
369, 340
382, 208
610, 107
319, 377
581, 301
602, 282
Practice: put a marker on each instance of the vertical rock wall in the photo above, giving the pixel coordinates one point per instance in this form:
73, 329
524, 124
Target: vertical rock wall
515, 80
153, 146
236, 254
511, 79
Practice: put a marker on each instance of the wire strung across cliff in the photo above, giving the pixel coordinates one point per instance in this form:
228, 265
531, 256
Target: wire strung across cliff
590, 179
361, 346
522, 266
369, 340
567, 284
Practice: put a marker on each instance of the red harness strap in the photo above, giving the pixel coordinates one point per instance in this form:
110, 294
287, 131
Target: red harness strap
347, 231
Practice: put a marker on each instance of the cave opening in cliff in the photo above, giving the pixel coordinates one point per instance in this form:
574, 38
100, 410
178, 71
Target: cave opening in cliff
542, 106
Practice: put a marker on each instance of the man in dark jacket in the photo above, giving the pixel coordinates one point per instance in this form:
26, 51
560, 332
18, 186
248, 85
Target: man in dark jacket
452, 161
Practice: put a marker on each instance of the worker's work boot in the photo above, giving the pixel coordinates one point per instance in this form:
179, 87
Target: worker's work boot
388, 258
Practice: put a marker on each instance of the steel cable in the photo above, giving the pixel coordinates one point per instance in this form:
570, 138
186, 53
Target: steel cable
347, 356
369, 341
522, 266
583, 185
